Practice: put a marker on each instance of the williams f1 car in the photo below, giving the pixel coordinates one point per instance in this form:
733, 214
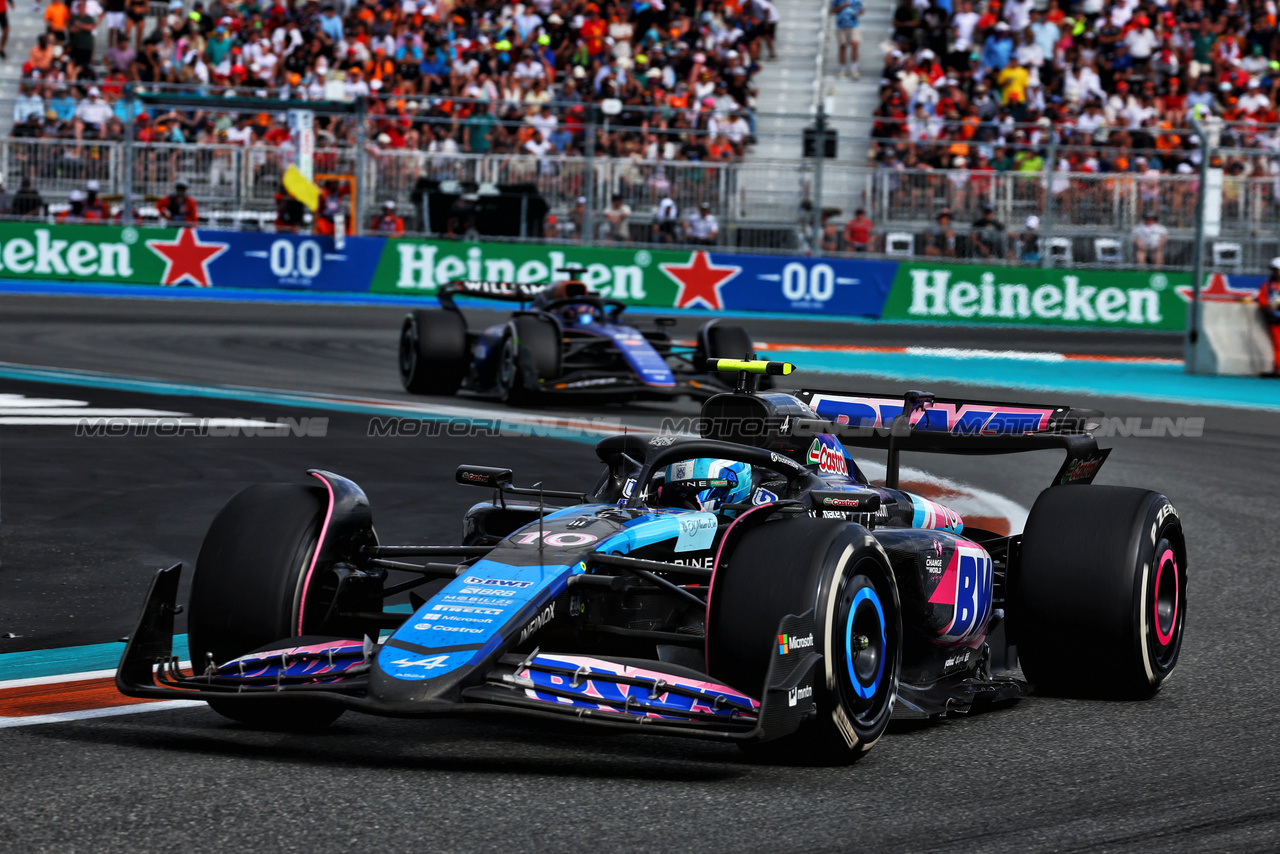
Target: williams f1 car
748, 585
566, 342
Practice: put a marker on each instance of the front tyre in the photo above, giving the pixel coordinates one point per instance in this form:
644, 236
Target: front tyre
253, 587
1100, 594
433, 351
837, 569
531, 353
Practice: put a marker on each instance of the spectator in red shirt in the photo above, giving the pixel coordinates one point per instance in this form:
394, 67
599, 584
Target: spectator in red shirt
857, 232
178, 208
1269, 303
387, 222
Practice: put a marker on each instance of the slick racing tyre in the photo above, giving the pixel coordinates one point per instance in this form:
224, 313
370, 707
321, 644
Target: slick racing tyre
1099, 598
838, 570
531, 351
433, 351
248, 588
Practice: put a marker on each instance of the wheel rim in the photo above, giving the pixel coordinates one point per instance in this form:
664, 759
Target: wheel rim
507, 367
867, 629
866, 620
1167, 606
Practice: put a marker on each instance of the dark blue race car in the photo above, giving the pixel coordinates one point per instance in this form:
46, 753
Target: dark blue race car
748, 585
567, 342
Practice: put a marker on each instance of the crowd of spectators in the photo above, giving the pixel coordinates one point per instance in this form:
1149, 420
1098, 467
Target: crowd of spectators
1114, 84
672, 79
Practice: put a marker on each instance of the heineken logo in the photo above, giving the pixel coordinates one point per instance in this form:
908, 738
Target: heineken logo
944, 295
428, 266
46, 256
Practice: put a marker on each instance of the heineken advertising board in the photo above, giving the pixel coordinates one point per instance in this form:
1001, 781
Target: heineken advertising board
1037, 296
639, 275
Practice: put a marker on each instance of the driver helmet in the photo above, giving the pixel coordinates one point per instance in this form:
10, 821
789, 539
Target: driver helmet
706, 484
577, 315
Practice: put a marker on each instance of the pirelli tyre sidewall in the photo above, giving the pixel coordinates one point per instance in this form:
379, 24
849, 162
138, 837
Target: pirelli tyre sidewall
1100, 594
836, 568
859, 600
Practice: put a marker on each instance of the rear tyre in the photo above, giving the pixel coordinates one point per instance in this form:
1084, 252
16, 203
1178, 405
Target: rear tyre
433, 351
531, 351
1100, 593
248, 588
838, 569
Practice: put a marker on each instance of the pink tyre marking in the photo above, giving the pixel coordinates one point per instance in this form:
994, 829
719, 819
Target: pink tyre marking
315, 556
1161, 635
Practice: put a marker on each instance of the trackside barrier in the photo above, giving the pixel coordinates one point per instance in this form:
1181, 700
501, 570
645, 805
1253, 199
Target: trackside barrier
1233, 341
705, 279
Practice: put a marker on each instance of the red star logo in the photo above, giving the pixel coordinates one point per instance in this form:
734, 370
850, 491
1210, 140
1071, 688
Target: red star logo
700, 281
186, 258
1219, 290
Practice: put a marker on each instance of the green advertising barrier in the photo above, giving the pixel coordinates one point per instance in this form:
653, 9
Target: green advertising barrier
1110, 299
411, 266
96, 253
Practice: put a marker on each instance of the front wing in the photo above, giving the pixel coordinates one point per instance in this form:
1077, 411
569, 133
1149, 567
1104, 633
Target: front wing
592, 690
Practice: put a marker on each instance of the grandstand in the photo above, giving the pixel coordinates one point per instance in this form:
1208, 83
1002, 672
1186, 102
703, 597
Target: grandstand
1074, 116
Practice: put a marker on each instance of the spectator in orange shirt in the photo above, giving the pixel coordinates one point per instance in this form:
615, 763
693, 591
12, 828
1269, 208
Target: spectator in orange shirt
41, 55
57, 17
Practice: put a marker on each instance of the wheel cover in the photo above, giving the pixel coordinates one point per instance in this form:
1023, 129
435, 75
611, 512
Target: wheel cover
1165, 608
865, 666
507, 366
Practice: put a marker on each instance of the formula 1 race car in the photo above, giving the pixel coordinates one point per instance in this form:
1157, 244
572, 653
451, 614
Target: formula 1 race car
569, 342
748, 585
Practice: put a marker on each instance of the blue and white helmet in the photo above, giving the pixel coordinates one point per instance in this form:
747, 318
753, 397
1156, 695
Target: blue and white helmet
706, 484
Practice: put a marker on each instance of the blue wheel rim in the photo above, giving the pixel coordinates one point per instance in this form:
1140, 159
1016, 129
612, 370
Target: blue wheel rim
866, 594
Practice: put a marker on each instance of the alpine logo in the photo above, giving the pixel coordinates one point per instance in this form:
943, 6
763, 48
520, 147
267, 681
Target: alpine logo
802, 692
538, 622
827, 458
786, 643
497, 582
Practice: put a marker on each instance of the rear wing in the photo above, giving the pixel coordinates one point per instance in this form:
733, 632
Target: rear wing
919, 422
520, 292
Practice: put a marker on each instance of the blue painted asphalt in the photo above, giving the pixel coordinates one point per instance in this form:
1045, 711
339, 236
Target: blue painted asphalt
1161, 381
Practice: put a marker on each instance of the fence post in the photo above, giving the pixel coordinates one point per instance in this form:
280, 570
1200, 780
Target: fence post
126, 215
819, 151
1197, 251
362, 155
589, 190
1046, 224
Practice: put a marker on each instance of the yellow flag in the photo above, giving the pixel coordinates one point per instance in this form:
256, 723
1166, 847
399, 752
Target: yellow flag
302, 189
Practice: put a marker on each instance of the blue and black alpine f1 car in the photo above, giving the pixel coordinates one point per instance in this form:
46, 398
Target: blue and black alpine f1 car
564, 341
748, 585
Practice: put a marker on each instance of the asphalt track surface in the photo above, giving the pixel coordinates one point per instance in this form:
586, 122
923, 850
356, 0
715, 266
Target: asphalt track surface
84, 522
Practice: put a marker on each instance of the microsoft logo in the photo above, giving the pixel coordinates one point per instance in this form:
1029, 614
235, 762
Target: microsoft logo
786, 643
